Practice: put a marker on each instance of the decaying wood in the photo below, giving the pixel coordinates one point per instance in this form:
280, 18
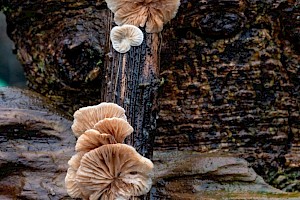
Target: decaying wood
229, 68
131, 80
35, 146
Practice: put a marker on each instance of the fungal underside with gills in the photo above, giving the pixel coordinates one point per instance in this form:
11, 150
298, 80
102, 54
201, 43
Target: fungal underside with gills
103, 167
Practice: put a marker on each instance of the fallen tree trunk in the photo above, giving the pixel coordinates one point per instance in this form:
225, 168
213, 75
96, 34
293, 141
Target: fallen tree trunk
229, 73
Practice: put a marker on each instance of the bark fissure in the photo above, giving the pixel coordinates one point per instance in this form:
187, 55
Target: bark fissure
130, 80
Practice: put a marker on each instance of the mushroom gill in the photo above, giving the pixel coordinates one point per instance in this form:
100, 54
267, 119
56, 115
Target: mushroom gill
123, 37
152, 13
70, 180
114, 171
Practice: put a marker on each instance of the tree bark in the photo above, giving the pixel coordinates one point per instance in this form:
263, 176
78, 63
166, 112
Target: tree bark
229, 68
74, 58
132, 80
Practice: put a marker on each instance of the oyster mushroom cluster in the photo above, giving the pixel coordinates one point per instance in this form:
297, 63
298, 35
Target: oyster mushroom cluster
129, 15
150, 13
103, 167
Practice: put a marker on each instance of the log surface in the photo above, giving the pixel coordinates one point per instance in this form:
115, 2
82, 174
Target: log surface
229, 73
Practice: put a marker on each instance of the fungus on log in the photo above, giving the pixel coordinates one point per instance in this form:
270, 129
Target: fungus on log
230, 79
92, 139
123, 37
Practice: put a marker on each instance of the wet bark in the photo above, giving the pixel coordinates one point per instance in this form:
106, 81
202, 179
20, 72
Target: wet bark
229, 68
77, 66
131, 80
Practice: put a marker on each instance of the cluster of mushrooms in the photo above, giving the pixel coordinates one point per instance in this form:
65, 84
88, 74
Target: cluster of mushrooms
129, 15
103, 167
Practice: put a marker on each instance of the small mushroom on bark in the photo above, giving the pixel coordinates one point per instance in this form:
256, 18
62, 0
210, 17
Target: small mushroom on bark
152, 13
118, 128
114, 171
123, 37
92, 139
85, 118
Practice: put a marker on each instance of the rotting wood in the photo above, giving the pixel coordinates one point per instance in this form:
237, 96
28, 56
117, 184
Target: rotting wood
131, 80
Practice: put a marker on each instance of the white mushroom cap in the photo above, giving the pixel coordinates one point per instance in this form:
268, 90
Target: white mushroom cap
123, 37
117, 127
92, 139
85, 118
152, 13
114, 171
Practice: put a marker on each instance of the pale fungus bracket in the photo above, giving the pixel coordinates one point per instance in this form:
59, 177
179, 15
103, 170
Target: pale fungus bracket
92, 139
114, 171
116, 127
85, 118
103, 168
150, 13
125, 36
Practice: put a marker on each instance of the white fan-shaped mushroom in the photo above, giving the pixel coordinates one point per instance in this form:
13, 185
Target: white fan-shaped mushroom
85, 118
123, 37
114, 171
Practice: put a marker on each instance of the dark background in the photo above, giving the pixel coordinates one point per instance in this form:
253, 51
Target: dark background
11, 72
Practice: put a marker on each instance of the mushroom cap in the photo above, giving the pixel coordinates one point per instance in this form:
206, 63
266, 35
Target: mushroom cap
92, 139
117, 127
123, 37
85, 118
114, 171
70, 180
152, 13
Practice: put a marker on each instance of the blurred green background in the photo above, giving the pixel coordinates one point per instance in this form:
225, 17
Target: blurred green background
11, 71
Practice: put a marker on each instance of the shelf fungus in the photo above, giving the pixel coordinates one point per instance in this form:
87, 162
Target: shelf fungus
103, 168
150, 13
85, 118
125, 36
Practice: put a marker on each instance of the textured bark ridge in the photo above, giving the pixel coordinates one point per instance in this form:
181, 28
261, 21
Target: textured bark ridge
35, 146
131, 80
69, 53
192, 175
62, 46
231, 83
229, 68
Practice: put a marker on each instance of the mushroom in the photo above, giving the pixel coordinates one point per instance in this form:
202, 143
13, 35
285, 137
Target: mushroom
114, 171
118, 128
123, 37
85, 118
70, 180
92, 139
152, 13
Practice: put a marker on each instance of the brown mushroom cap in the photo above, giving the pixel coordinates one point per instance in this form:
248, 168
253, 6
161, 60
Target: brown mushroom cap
70, 180
114, 171
152, 13
92, 139
117, 127
85, 118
